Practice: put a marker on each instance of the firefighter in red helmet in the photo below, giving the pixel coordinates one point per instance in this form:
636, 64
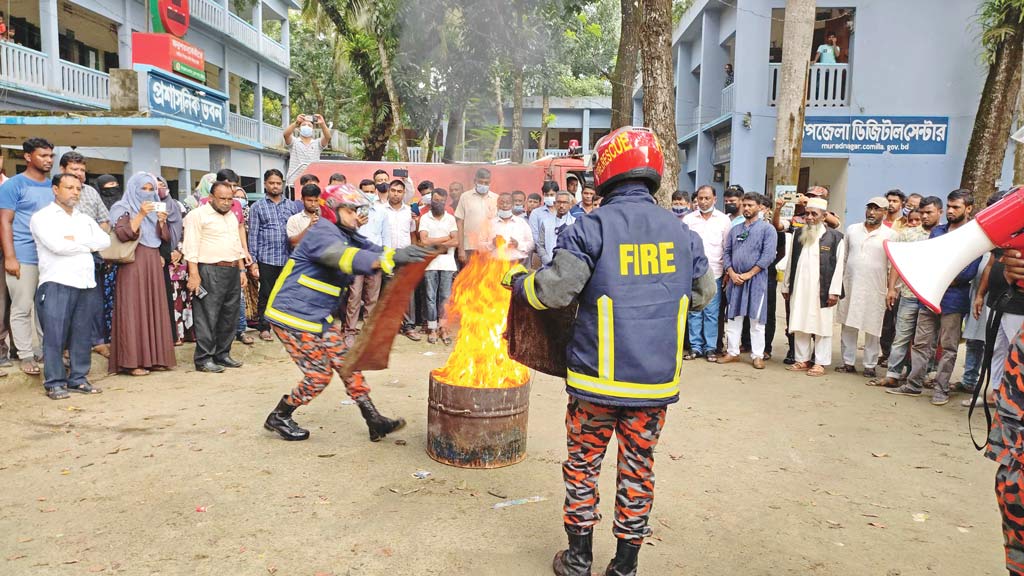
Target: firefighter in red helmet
634, 272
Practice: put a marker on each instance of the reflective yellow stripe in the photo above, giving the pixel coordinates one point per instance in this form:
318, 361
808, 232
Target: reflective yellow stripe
531, 293
621, 389
314, 284
684, 307
347, 257
605, 339
285, 272
293, 321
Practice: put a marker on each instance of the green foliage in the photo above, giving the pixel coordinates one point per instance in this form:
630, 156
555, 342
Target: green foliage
997, 18
679, 7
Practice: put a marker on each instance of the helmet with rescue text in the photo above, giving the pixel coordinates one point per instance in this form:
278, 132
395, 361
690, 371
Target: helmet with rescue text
629, 153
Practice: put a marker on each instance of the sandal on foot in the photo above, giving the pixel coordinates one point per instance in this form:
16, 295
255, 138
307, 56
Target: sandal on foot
58, 393
870, 373
816, 370
139, 372
711, 357
30, 367
883, 382
846, 369
85, 388
266, 336
799, 367
246, 339
691, 355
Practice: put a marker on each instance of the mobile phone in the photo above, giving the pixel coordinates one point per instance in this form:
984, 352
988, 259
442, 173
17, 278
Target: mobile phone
160, 206
201, 293
401, 173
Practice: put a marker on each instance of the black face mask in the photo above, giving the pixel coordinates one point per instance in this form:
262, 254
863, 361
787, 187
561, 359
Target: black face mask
731, 209
437, 208
381, 188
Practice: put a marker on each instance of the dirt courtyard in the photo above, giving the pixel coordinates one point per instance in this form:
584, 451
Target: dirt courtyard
758, 472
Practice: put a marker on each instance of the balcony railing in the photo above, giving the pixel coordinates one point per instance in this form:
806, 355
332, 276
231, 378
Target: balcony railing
84, 83
243, 32
418, 154
22, 66
728, 102
275, 51
272, 136
243, 127
209, 12
828, 85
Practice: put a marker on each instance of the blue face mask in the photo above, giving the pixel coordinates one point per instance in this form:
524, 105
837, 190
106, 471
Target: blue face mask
680, 210
504, 214
549, 201
517, 210
243, 201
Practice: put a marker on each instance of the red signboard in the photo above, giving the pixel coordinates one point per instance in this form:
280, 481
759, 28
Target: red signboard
171, 16
169, 53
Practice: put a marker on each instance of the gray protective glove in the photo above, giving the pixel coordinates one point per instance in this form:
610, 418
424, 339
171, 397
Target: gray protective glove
411, 253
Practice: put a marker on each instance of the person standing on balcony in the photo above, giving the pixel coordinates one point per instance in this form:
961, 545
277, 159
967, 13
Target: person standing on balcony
20, 198
729, 75
828, 53
305, 149
268, 223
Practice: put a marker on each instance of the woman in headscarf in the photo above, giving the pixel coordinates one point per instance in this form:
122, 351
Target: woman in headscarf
141, 331
202, 191
110, 192
109, 189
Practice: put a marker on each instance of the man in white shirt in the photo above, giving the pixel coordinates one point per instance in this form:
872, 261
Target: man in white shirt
364, 291
439, 229
400, 227
515, 232
66, 239
299, 223
474, 213
713, 228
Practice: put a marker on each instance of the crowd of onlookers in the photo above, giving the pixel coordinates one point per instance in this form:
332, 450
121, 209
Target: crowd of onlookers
130, 274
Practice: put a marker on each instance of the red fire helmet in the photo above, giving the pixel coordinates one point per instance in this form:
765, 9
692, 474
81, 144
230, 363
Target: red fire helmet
629, 153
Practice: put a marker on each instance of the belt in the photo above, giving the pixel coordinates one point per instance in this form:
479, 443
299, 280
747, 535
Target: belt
224, 264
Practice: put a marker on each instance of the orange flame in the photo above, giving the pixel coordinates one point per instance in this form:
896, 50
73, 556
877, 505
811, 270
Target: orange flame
480, 304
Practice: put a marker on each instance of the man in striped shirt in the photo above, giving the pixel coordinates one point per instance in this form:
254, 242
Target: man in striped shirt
268, 239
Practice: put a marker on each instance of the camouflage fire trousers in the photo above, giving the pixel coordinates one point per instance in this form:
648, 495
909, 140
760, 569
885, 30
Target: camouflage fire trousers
318, 356
1009, 495
589, 428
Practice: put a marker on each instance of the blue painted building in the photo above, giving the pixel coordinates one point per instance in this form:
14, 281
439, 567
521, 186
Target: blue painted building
75, 56
896, 110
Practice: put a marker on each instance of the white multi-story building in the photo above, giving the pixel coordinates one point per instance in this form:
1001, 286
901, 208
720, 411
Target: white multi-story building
68, 76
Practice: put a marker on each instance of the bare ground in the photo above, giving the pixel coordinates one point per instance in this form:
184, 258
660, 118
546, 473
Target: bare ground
758, 472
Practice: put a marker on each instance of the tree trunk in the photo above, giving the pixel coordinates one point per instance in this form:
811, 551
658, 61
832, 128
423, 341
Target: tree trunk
624, 76
1018, 149
545, 110
396, 109
517, 115
789, 129
991, 133
501, 117
452, 140
659, 103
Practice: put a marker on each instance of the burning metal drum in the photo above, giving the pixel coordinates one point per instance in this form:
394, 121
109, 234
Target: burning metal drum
477, 427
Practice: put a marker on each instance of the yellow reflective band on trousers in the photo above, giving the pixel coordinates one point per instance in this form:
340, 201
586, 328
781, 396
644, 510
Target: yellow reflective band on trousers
314, 284
605, 339
605, 383
531, 293
347, 257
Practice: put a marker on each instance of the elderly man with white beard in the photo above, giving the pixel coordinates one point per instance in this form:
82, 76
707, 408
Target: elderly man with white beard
865, 278
813, 284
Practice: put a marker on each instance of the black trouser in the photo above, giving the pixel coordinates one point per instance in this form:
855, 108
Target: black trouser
215, 316
888, 331
66, 315
268, 277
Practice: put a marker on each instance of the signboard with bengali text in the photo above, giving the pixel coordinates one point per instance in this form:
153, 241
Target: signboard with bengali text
174, 98
875, 134
169, 53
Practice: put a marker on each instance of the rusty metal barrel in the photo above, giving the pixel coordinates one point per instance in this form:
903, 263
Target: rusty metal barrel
477, 427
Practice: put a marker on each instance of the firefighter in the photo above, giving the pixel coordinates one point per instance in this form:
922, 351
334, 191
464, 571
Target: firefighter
304, 298
631, 267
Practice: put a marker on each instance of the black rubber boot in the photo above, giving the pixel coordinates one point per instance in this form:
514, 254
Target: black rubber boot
280, 421
379, 425
578, 558
624, 563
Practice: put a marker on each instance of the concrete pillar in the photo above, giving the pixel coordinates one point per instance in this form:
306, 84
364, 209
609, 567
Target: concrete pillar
285, 33
585, 141
225, 73
48, 30
286, 110
638, 111
144, 155
712, 78
257, 109
124, 37
220, 157
444, 130
259, 176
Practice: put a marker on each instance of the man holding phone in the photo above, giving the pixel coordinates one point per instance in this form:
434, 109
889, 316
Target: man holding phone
216, 264
305, 149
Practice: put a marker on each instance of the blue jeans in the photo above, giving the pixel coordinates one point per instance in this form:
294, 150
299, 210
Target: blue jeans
703, 326
66, 315
439, 288
972, 363
242, 325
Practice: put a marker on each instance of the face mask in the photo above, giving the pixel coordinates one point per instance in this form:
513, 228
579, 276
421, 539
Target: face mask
425, 200
482, 188
504, 214
707, 210
905, 211
306, 131
549, 201
679, 210
243, 201
731, 209
437, 207
517, 210
381, 188
371, 197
